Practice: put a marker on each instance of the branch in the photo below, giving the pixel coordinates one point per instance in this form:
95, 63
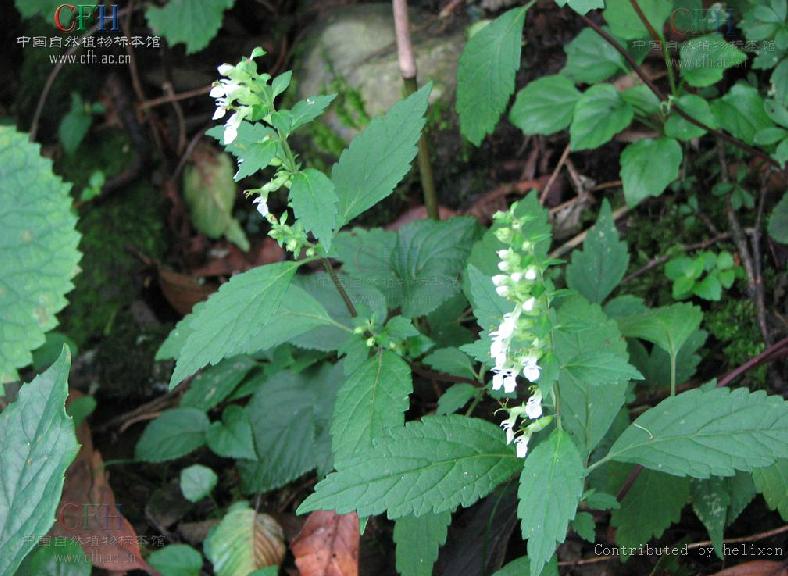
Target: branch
340, 288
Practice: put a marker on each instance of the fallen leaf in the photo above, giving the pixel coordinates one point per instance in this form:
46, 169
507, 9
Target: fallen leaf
328, 545
183, 291
756, 568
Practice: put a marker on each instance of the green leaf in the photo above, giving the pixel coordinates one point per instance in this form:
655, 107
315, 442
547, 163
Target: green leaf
75, 125
551, 485
741, 490
254, 147
29, 8
545, 105
366, 256
232, 437
307, 110
698, 108
429, 260
591, 59
176, 560
596, 270
45, 355
216, 383
707, 433
655, 366
488, 306
456, 397
668, 327
315, 204
38, 445
778, 221
485, 76
197, 482
642, 99
710, 501
763, 20
190, 22
704, 59
585, 526
57, 558
450, 361
582, 6
772, 482
379, 157
373, 399
741, 112
243, 542
652, 504
648, 166
173, 434
432, 465
418, 540
234, 319
600, 114
38, 249
626, 24
522, 567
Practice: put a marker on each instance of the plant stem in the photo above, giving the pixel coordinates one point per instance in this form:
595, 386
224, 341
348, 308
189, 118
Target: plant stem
658, 39
673, 374
407, 67
340, 288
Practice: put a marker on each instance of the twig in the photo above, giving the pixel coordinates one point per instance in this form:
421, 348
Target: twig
188, 152
153, 102
773, 352
425, 372
407, 68
450, 7
756, 263
577, 240
340, 288
554, 175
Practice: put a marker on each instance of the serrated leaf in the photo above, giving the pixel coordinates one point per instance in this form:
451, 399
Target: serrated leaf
741, 489
582, 6
625, 23
710, 501
707, 433
585, 526
488, 306
176, 560
308, 109
74, 125
699, 109
545, 106
38, 445
642, 99
432, 465
366, 256
655, 366
173, 434
38, 249
596, 270
741, 112
379, 157
485, 75
704, 59
373, 399
315, 204
57, 558
456, 397
772, 482
254, 147
551, 485
590, 59
652, 504
450, 361
600, 114
232, 437
197, 482
214, 384
668, 327
648, 166
234, 319
190, 22
418, 540
522, 567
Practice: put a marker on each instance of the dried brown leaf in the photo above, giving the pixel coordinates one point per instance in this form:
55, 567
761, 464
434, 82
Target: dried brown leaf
328, 545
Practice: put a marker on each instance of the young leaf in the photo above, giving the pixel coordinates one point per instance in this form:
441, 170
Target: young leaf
668, 327
590, 59
432, 465
176, 560
38, 249
545, 106
307, 110
234, 319
418, 540
626, 24
315, 204
648, 166
485, 76
772, 482
216, 383
38, 445
707, 433
600, 114
232, 437
677, 127
173, 434
379, 157
197, 482
450, 361
373, 399
455, 398
551, 485
710, 501
254, 147
190, 22
599, 267
704, 59
75, 125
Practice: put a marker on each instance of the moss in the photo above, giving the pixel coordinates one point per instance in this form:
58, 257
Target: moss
732, 323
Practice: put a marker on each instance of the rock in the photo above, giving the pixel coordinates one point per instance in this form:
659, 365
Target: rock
357, 46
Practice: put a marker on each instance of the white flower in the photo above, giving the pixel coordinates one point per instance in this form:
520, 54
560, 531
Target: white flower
503, 254
262, 206
217, 91
530, 274
502, 290
503, 265
508, 425
499, 279
221, 110
506, 329
225, 69
533, 408
530, 368
529, 304
231, 128
504, 378
521, 444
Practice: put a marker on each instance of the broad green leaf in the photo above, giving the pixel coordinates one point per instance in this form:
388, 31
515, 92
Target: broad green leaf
418, 540
642, 99
216, 383
626, 24
772, 482
38, 443
741, 112
551, 485
374, 398
707, 433
600, 368
38, 249
763, 20
171, 348
176, 560
488, 306
46, 8
545, 105
648, 166
173, 434
450, 361
45, 355
485, 76
581, 7
600, 114
366, 257
655, 366
432, 465
704, 59
57, 558
585, 526
234, 319
254, 147
456, 397
596, 270
591, 59
429, 260
379, 157
778, 221
668, 327
652, 504
741, 490
307, 110
698, 108
315, 204
243, 542
232, 437
522, 567
197, 482
75, 125
710, 501
190, 22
